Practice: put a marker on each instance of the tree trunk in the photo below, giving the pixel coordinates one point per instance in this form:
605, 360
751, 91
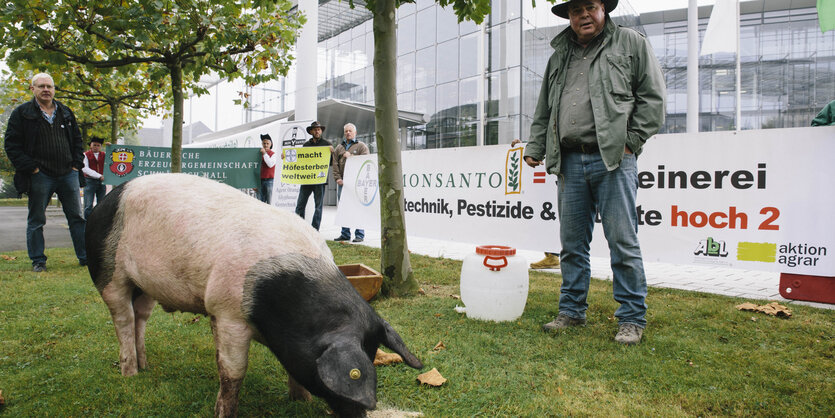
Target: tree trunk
395, 265
114, 122
177, 123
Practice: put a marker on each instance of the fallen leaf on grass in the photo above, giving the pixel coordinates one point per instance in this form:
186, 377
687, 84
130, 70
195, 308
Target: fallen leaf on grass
421, 291
559, 390
439, 346
773, 309
8, 257
2, 400
431, 378
455, 297
384, 359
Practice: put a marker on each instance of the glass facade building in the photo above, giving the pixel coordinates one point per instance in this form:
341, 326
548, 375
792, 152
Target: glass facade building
787, 67
462, 76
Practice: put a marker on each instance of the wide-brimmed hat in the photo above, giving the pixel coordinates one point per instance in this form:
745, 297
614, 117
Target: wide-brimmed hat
315, 124
561, 9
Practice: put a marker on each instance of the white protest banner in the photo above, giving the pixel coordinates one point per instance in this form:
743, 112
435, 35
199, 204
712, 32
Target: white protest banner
758, 200
460, 194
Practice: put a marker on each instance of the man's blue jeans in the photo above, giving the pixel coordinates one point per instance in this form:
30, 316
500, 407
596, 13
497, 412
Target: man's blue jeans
587, 188
94, 189
346, 232
318, 191
40, 192
265, 192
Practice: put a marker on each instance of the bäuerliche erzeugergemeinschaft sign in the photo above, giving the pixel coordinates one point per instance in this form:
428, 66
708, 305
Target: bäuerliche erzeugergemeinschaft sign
237, 167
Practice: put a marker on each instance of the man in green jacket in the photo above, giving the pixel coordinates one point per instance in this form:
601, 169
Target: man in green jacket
602, 97
826, 117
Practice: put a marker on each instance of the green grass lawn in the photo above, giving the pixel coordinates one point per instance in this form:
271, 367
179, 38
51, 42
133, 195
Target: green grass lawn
14, 202
700, 356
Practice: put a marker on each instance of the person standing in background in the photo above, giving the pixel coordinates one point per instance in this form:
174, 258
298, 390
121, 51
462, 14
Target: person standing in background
348, 147
94, 173
43, 142
826, 117
265, 192
315, 130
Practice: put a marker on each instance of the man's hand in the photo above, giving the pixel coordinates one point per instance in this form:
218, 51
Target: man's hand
515, 141
36, 170
282, 154
626, 149
339, 182
532, 162
263, 151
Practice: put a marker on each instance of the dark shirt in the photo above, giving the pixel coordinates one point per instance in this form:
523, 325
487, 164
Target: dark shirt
52, 149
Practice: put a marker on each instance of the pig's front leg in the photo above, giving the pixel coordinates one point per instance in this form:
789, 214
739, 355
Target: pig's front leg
297, 391
232, 338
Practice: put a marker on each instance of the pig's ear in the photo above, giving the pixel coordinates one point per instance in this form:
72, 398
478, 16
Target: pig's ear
392, 340
348, 373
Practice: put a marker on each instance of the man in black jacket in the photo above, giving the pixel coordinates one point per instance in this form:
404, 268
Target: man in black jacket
318, 190
44, 144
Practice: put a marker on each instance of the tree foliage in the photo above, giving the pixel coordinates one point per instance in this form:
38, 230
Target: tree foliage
178, 40
118, 98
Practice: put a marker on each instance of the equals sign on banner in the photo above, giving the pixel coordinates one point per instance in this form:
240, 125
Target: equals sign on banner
539, 177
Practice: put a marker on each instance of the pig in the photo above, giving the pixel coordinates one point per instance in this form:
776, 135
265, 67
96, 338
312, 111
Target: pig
259, 272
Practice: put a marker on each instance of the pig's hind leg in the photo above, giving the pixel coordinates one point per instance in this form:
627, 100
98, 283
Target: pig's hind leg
232, 337
142, 307
118, 295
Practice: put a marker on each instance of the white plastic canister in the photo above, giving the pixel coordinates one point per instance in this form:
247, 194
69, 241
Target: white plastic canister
494, 283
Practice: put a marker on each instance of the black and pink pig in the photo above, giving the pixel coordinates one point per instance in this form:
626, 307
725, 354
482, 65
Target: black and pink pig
262, 273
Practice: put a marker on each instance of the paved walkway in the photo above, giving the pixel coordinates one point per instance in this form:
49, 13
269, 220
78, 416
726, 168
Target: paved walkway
13, 228
748, 284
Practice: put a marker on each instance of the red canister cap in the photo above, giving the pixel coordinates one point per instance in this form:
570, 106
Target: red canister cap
495, 250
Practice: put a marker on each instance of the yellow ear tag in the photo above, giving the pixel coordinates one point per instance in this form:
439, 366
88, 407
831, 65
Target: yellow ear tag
355, 374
